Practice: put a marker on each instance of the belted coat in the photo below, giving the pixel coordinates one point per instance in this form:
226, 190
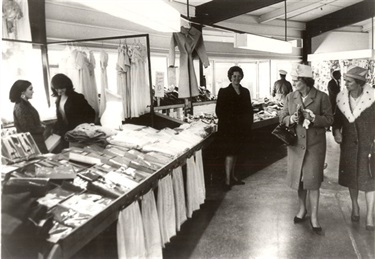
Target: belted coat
306, 157
189, 41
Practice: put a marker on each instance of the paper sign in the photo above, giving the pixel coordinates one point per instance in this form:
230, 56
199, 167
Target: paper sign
172, 82
159, 84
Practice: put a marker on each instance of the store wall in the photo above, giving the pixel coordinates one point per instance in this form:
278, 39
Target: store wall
340, 41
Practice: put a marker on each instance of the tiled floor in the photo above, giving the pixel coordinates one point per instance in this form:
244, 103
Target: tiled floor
255, 220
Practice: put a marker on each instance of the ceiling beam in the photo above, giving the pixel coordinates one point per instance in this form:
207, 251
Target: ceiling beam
220, 10
344, 17
292, 10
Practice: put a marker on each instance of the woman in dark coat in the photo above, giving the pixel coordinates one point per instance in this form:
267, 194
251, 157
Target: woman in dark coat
235, 114
26, 117
354, 130
72, 109
309, 110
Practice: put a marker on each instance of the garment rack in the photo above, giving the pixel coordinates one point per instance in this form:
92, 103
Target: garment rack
116, 38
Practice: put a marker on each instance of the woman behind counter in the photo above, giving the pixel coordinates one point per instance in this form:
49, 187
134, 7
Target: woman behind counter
235, 114
354, 130
309, 110
72, 109
26, 117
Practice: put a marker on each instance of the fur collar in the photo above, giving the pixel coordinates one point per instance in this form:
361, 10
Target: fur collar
343, 102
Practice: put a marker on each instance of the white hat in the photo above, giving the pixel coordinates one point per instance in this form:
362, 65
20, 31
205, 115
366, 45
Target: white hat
282, 72
301, 71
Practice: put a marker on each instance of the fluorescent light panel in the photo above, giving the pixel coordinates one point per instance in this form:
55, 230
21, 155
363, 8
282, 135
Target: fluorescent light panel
259, 43
154, 14
353, 54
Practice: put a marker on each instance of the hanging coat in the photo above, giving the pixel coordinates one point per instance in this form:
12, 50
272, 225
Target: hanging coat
357, 135
188, 41
306, 157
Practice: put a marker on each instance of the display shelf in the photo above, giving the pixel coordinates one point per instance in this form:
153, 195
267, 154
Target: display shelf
79, 237
166, 107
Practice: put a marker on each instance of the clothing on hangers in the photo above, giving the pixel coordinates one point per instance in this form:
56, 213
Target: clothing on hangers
188, 41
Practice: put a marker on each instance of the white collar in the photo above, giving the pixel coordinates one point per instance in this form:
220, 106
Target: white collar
366, 100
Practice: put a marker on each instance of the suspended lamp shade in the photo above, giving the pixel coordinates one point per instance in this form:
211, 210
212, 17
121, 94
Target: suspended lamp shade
155, 14
259, 43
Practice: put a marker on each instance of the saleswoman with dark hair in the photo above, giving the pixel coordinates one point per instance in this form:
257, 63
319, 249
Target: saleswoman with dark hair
26, 117
72, 109
235, 113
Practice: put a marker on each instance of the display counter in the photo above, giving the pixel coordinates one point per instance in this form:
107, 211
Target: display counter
82, 235
69, 245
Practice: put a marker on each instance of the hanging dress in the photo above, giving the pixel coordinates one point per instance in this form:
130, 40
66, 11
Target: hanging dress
87, 81
139, 86
123, 79
103, 81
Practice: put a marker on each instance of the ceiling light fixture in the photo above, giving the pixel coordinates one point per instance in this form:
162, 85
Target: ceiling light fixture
353, 54
259, 43
155, 14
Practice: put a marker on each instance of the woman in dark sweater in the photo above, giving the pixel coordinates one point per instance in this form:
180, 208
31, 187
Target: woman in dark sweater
26, 117
72, 109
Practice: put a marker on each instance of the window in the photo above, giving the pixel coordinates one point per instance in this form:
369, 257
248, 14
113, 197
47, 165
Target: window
22, 61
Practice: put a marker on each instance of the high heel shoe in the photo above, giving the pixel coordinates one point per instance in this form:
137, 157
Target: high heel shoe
317, 230
227, 187
370, 228
299, 220
236, 182
354, 218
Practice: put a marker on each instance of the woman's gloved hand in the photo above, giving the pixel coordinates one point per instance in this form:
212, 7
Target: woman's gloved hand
337, 136
308, 115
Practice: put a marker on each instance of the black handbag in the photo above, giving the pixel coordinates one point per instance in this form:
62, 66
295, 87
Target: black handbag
286, 134
371, 160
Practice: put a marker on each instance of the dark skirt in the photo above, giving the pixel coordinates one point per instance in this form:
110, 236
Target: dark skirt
230, 144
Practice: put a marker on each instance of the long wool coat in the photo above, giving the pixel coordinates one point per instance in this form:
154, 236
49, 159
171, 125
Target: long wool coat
358, 131
306, 157
189, 41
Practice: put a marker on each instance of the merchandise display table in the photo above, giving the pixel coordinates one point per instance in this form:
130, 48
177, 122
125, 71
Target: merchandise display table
82, 235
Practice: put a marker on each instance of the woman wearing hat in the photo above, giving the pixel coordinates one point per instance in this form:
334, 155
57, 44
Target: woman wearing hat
354, 130
26, 117
309, 111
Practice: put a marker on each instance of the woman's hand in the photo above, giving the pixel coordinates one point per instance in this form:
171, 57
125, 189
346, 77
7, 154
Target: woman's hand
337, 136
294, 118
308, 115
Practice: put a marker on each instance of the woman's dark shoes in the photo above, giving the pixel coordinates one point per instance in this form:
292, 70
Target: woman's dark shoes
354, 218
236, 182
300, 220
227, 187
317, 230
370, 228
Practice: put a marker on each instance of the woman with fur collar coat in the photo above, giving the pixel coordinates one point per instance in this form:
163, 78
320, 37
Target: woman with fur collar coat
353, 129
